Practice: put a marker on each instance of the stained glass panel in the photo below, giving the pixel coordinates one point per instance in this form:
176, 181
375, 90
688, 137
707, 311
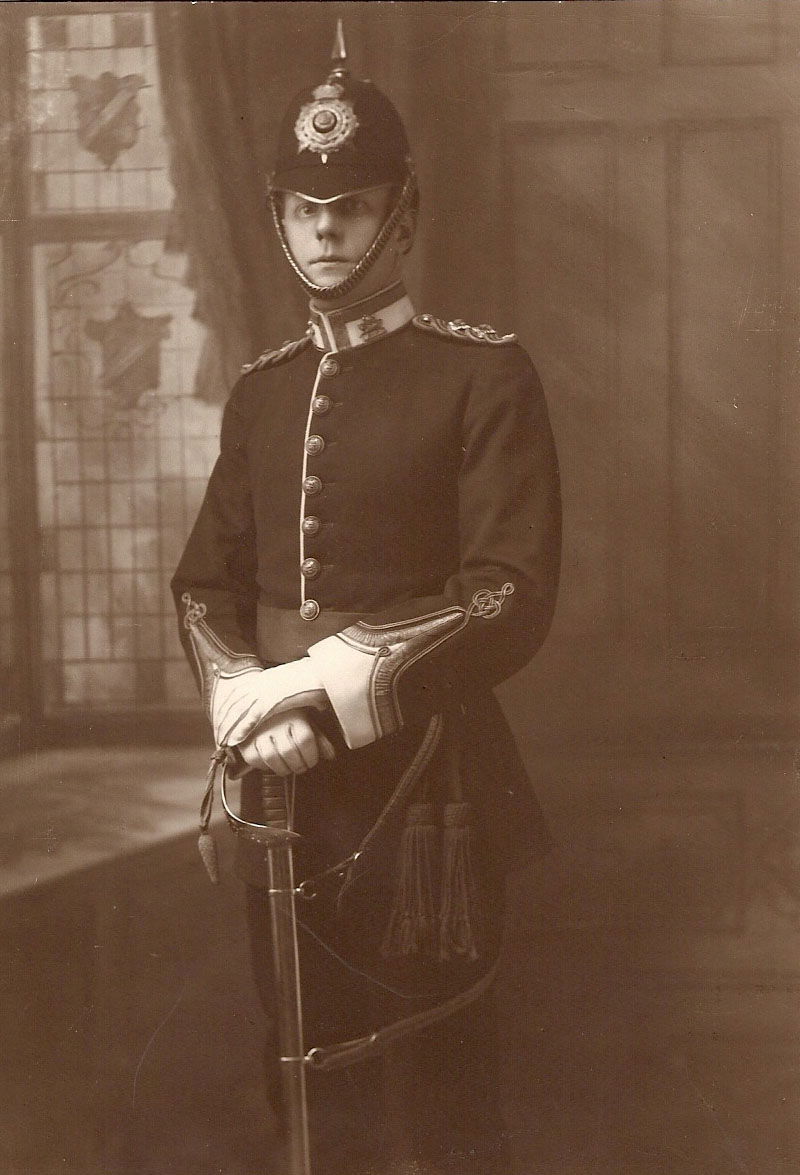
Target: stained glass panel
124, 452
96, 139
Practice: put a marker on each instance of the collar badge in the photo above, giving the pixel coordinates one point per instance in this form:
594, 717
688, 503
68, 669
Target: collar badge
370, 327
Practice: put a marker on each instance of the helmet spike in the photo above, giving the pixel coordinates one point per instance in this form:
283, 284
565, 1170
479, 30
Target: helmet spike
339, 52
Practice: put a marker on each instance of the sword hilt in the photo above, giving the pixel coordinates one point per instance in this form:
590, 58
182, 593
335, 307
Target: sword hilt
273, 803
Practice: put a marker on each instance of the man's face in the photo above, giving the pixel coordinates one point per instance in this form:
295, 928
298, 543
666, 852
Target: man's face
327, 240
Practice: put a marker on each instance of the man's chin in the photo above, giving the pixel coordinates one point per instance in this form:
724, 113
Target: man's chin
329, 273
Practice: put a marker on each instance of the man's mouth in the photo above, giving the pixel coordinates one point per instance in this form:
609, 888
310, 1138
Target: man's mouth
335, 260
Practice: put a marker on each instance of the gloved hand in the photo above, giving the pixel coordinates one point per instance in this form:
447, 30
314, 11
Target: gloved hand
286, 744
241, 702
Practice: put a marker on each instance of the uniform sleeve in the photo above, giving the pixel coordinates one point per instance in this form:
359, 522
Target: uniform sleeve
218, 565
494, 612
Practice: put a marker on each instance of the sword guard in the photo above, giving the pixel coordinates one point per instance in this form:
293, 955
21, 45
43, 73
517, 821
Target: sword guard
271, 835
262, 834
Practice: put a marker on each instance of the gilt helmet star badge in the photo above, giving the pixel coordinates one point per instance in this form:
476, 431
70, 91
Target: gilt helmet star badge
327, 123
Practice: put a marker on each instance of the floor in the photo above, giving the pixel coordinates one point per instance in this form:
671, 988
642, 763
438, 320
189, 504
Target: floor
130, 1035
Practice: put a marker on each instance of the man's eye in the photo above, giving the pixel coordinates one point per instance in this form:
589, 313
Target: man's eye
307, 210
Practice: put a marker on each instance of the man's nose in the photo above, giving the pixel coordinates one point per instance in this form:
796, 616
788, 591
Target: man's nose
327, 223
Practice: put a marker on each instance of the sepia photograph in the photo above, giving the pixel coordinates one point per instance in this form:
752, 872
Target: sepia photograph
400, 587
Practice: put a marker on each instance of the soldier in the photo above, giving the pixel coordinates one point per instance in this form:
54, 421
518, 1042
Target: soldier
377, 548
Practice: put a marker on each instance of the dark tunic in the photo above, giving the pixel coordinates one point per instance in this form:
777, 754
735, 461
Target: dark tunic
425, 463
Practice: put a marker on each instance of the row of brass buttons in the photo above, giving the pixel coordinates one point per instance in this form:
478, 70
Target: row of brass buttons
312, 485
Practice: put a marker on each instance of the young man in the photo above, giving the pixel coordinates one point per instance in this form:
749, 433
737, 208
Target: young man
377, 548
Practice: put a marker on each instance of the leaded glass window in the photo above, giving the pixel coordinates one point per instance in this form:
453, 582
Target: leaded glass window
122, 447
96, 139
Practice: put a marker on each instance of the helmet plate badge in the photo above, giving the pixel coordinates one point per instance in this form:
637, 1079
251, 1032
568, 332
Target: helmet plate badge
327, 123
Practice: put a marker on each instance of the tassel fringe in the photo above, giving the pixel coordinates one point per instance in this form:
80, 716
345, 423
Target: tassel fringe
208, 851
460, 914
412, 922
415, 927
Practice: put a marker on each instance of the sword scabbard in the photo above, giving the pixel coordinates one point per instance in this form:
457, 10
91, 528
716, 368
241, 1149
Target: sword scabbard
287, 976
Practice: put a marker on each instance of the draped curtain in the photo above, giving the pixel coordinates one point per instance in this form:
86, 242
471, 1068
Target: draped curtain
227, 74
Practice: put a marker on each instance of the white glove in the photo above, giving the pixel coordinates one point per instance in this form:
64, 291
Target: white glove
286, 744
240, 702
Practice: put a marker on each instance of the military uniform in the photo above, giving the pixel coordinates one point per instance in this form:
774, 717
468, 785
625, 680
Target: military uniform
385, 505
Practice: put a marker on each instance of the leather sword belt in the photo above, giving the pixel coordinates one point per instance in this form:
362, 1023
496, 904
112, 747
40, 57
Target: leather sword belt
283, 635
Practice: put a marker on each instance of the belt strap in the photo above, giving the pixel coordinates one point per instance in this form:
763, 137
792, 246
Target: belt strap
283, 634
336, 1056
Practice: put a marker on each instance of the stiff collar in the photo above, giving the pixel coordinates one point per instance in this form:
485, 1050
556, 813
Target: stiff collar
363, 321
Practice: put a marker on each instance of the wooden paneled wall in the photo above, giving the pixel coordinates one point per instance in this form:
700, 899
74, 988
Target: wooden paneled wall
653, 202
651, 156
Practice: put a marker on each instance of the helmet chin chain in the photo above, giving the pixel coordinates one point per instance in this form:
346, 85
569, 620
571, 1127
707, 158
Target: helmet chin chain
361, 267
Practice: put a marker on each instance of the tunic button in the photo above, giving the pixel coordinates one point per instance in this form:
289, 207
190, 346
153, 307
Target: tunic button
314, 445
321, 405
311, 525
310, 568
329, 367
312, 485
309, 610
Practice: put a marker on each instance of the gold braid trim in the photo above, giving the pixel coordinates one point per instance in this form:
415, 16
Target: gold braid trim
456, 328
281, 354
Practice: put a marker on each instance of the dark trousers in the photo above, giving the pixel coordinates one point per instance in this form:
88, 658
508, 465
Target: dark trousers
430, 1097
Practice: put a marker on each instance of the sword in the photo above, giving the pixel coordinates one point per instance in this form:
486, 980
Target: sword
278, 838
287, 974
211, 657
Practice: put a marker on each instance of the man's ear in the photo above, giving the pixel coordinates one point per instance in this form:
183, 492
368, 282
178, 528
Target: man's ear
406, 231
